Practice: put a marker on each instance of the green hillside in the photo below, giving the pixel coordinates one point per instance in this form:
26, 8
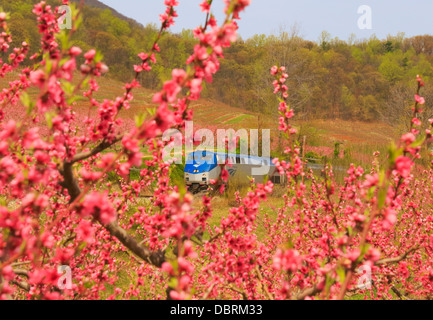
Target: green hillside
362, 80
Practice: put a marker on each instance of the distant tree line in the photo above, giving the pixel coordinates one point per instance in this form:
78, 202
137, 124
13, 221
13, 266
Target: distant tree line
365, 80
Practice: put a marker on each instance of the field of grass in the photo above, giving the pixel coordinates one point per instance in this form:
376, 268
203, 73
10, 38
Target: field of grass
352, 132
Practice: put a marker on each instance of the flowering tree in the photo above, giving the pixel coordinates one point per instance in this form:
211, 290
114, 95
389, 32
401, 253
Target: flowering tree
58, 208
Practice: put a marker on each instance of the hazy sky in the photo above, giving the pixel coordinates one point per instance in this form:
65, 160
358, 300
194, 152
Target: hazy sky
339, 17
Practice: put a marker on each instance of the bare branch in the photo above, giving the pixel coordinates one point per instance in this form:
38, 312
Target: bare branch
308, 293
23, 285
98, 149
259, 274
21, 272
397, 259
399, 294
70, 183
155, 258
208, 292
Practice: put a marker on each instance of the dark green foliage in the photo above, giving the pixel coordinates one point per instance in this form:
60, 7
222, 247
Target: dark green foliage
337, 149
312, 157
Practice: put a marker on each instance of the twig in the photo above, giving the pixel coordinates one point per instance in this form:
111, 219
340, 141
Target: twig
18, 264
259, 274
308, 292
208, 292
399, 258
21, 272
23, 285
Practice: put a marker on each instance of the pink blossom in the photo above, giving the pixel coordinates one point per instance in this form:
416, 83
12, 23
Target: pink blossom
408, 138
419, 99
404, 166
90, 55
205, 6
288, 260
98, 205
85, 231
75, 51
38, 78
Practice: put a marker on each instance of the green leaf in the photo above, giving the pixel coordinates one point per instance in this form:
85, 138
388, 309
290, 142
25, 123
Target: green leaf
76, 98
48, 63
394, 153
78, 22
151, 111
349, 231
139, 119
418, 142
329, 283
371, 192
68, 88
231, 7
364, 250
341, 274
3, 201
381, 196
27, 102
75, 15
49, 117
85, 83
173, 283
98, 57
63, 38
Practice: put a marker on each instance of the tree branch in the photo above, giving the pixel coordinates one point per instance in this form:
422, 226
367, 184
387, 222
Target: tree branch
98, 149
21, 272
259, 274
155, 258
69, 182
399, 294
23, 285
308, 292
397, 259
